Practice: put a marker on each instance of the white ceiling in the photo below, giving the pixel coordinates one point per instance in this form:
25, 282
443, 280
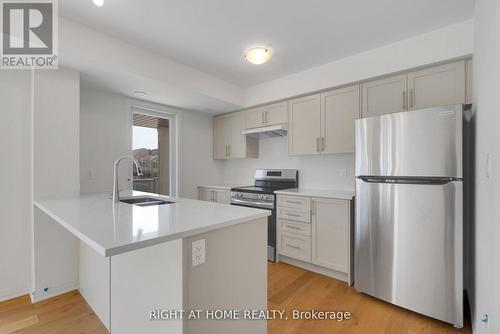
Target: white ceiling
211, 35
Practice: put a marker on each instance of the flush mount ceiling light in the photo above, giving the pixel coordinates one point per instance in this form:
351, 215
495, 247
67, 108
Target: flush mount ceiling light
98, 3
258, 55
140, 94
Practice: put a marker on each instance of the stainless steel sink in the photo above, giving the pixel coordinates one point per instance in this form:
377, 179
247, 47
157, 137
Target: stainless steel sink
145, 201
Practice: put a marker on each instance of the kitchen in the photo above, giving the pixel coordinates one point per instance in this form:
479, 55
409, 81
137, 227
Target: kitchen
268, 172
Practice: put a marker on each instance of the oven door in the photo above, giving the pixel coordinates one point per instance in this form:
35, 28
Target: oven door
271, 222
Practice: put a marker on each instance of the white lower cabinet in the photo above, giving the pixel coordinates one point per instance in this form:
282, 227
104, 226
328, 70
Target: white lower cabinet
317, 232
218, 195
330, 232
295, 245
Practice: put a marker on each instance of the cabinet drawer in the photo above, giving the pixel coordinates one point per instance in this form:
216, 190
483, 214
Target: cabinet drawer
295, 202
292, 214
294, 227
295, 245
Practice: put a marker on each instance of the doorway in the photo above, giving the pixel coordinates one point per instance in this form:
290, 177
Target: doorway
151, 148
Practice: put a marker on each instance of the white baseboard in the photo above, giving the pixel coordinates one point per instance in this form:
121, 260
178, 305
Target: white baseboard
13, 293
38, 296
314, 268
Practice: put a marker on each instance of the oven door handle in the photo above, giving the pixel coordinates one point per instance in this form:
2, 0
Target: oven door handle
269, 205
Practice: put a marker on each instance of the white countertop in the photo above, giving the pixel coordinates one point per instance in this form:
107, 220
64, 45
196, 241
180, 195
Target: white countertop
224, 186
324, 193
113, 229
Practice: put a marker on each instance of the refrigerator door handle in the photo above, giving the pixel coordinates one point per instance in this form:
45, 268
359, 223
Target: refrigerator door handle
409, 180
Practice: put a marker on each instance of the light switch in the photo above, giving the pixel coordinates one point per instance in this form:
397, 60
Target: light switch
198, 252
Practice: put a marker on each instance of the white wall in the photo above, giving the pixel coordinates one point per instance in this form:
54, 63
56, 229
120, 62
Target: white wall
104, 136
485, 282
106, 130
436, 46
15, 180
56, 172
315, 171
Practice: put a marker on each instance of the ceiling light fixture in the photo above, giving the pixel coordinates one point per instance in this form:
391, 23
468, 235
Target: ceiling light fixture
140, 94
98, 3
258, 55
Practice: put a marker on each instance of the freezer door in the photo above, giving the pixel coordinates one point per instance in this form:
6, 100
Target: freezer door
408, 246
426, 142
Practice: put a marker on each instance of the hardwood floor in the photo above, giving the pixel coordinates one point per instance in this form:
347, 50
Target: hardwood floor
292, 288
289, 288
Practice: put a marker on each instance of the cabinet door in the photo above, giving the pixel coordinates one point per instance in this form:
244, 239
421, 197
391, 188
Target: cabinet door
222, 196
205, 194
255, 117
330, 233
220, 137
384, 96
468, 81
339, 109
437, 86
304, 125
238, 141
276, 114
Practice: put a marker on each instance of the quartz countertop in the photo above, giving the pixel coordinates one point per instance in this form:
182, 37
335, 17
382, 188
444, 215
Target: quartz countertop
223, 186
324, 193
113, 229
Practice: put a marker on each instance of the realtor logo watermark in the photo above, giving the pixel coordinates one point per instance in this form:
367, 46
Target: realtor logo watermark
29, 36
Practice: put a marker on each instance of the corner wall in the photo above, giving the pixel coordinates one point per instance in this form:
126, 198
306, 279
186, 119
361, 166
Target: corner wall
15, 180
484, 284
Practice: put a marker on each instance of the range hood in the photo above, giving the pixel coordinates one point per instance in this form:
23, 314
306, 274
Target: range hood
278, 130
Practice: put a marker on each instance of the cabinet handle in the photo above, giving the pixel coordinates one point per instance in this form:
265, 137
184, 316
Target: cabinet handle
317, 144
267, 117
412, 98
293, 202
292, 214
293, 227
263, 118
404, 100
293, 246
323, 144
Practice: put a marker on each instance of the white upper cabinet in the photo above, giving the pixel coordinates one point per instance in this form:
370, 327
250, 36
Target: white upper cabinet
238, 143
267, 115
256, 117
221, 136
323, 123
436, 86
468, 81
331, 233
304, 125
277, 113
229, 140
339, 109
384, 96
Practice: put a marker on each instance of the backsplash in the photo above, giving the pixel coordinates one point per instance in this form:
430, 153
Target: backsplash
315, 171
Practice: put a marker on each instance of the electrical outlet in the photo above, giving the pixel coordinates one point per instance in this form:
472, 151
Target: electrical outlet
90, 175
343, 172
198, 252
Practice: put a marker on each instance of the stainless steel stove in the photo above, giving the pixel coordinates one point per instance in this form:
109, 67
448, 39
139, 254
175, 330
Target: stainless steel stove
261, 195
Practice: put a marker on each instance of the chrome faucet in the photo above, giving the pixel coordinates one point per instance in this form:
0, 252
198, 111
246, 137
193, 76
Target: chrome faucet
116, 189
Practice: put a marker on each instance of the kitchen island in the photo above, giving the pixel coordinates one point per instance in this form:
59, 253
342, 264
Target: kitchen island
133, 261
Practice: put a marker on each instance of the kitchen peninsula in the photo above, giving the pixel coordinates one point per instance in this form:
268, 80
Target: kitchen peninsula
135, 259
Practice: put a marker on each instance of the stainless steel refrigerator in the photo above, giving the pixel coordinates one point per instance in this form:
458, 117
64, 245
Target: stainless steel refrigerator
409, 210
